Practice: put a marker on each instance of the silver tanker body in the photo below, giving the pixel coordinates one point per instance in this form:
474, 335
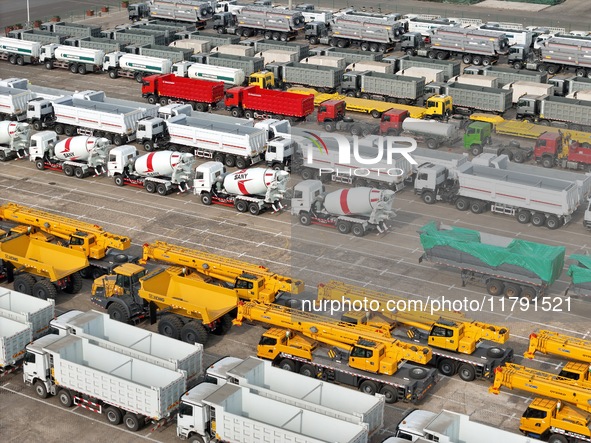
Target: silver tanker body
81, 148
162, 163
357, 201
255, 181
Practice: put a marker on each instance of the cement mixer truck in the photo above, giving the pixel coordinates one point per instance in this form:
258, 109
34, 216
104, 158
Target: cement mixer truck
78, 156
248, 190
14, 139
357, 210
162, 172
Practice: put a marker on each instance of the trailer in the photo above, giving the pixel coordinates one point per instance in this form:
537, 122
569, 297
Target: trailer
574, 113
135, 36
108, 333
578, 84
180, 12
229, 76
14, 338
27, 310
240, 50
506, 266
450, 68
35, 35
102, 44
72, 29
302, 49
196, 46
248, 65
237, 412
14, 103
83, 374
266, 380
350, 55
385, 87
480, 98
19, 52
323, 78
519, 89
508, 75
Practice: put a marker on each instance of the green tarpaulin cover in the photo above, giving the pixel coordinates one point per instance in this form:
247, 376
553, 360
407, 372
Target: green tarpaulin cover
581, 272
543, 260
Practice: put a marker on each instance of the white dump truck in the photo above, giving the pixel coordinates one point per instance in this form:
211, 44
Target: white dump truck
162, 172
266, 380
14, 140
122, 64
13, 103
151, 347
229, 76
19, 52
431, 75
433, 133
356, 210
522, 88
248, 190
240, 50
325, 60
123, 388
76, 60
244, 417
374, 66
78, 156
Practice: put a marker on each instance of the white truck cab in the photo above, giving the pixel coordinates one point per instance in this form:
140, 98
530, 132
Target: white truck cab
206, 175
40, 143
120, 158
218, 372
305, 194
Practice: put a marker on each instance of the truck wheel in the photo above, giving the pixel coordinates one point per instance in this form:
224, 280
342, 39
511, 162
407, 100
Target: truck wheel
40, 389
523, 216
429, 197
152, 99
538, 219
254, 209
462, 204
119, 181
20, 61
132, 422
467, 372
82, 70
276, 36
341, 43
12, 59
313, 40
552, 222
374, 47
375, 113
75, 283
467, 59
118, 140
161, 189
65, 398
79, 172
308, 370
170, 326
114, 415
329, 127
368, 387
418, 373
477, 60
24, 284
431, 55
3, 156
287, 365
390, 394
487, 61
476, 150
148, 146
194, 332
150, 187
512, 290
357, 230
236, 112
495, 352
553, 69
37, 125
40, 164
138, 77
73, 68
495, 287
230, 161
163, 101
200, 107
355, 130
344, 227
70, 131
241, 205
196, 438
283, 37
113, 73
49, 65
557, 439
206, 198
518, 65
441, 55
218, 157
305, 219
59, 129
432, 143
518, 157
307, 174
447, 367
118, 312
528, 292
477, 207
44, 289
547, 162
410, 52
269, 35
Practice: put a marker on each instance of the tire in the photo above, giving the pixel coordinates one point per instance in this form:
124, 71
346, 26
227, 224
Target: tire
552, 222
206, 198
40, 389
357, 230
287, 365
495, 352
418, 373
440, 55
73, 68
344, 227
467, 372
429, 197
477, 207
138, 77
365, 46
512, 290
523, 216
341, 43
528, 292
276, 36
200, 107
118, 140
538, 219
241, 205
74, 286
236, 112
113, 73
547, 162
44, 289
432, 143
254, 209
218, 157
40, 164
79, 172
82, 70
374, 47
59, 129
307, 174
269, 35
119, 181
65, 398
131, 422
313, 40
150, 187
477, 60
283, 37
557, 439
152, 99
462, 204
49, 65
225, 324
495, 287
170, 326
69, 131
148, 146
24, 283
329, 127
476, 150
161, 189
368, 387
305, 219
3, 156
118, 312
447, 367
230, 161
163, 101
553, 69
248, 114
37, 125
390, 394
194, 332
467, 59
308, 370
486, 61
518, 65
114, 415
518, 157
375, 113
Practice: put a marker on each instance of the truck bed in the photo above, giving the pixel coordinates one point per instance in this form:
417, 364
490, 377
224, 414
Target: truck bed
481, 98
26, 309
14, 337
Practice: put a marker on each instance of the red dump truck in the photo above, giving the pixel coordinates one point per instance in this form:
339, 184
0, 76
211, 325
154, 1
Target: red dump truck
164, 89
256, 102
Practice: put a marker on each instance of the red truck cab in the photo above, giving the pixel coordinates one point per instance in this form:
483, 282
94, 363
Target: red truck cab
331, 111
548, 148
391, 121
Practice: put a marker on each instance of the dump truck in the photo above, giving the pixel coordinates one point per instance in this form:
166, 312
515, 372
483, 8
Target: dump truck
302, 49
230, 76
278, 56
36, 35
357, 210
134, 342
134, 36
325, 60
374, 66
515, 268
80, 371
237, 411
194, 14
450, 68
19, 52
386, 87
256, 102
431, 75
197, 46
72, 29
121, 64
103, 44
547, 109
580, 271
479, 98
164, 89
473, 352
14, 337
76, 60
239, 50
323, 78
519, 89
264, 379
301, 350
350, 55
508, 75
14, 140
38, 268
213, 38
253, 190
13, 103
248, 65
475, 80
160, 172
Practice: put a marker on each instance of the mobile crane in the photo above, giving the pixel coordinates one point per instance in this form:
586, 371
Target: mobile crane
554, 343
103, 249
38, 268
459, 345
360, 356
251, 282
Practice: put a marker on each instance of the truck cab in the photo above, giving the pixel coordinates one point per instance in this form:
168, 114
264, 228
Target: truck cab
181, 69
40, 144
314, 31
47, 52
194, 417
207, 175
305, 195
138, 11
224, 21
476, 136
544, 414
438, 106
391, 121
331, 111
120, 159
430, 179
111, 60
279, 153
411, 427
351, 82
151, 130
549, 148
37, 367
411, 42
174, 109
263, 79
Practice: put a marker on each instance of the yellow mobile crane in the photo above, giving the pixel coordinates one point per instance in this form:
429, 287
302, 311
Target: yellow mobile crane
103, 249
361, 356
459, 345
549, 419
251, 282
554, 343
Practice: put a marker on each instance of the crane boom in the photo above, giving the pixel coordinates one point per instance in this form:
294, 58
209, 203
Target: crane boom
266, 285
554, 343
333, 332
91, 239
472, 330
